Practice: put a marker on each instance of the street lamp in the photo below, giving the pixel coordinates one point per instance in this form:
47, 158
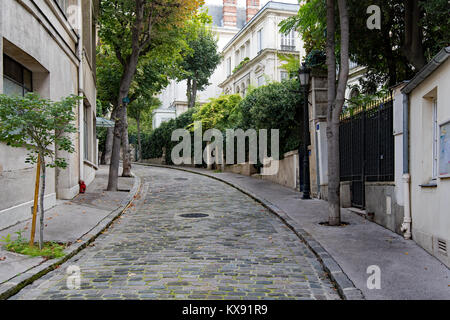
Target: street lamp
304, 77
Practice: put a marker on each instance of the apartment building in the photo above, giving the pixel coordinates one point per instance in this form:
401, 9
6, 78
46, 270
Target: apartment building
48, 47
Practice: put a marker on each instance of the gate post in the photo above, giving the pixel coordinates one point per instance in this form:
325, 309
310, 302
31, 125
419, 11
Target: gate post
318, 160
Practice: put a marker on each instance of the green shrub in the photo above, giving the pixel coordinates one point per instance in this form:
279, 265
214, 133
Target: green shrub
275, 106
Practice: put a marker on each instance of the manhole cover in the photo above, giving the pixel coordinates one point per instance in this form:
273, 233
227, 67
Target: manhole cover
194, 215
180, 179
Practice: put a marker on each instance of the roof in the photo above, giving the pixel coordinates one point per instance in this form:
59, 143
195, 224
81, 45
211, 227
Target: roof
289, 7
216, 12
426, 71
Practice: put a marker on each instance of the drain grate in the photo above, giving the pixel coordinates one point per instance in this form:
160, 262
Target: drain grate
194, 215
180, 179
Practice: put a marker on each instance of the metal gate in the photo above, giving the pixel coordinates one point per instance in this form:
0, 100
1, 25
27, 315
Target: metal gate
367, 147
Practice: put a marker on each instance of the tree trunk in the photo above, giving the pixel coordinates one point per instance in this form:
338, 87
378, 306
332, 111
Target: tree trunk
41, 205
138, 121
126, 159
106, 156
194, 93
189, 92
129, 70
127, 77
413, 48
336, 99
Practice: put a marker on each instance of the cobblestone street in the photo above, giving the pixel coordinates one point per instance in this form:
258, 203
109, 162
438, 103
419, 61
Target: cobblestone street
239, 251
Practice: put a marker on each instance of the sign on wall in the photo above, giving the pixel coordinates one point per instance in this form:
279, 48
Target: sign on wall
444, 157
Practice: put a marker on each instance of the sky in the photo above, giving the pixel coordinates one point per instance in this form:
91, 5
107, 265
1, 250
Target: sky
241, 3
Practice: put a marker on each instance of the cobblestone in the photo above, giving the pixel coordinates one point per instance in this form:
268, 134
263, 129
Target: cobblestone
240, 251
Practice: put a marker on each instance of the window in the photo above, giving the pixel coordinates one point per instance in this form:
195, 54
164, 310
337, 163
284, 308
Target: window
259, 40
288, 41
17, 80
261, 81
284, 75
435, 140
86, 133
229, 66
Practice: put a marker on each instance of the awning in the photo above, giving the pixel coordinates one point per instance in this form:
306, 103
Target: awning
104, 123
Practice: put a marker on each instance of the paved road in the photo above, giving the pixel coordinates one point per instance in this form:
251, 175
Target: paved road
239, 251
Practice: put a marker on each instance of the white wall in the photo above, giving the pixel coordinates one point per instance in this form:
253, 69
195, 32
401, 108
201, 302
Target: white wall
430, 206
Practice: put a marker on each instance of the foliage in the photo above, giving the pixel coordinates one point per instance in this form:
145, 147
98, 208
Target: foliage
200, 57
383, 51
316, 58
310, 22
50, 250
109, 72
155, 20
275, 106
291, 65
153, 144
241, 64
138, 106
221, 113
38, 124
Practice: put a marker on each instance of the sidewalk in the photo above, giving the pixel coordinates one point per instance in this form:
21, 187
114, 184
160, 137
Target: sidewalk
408, 272
78, 222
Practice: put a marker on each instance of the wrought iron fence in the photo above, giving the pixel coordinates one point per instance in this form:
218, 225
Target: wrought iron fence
367, 146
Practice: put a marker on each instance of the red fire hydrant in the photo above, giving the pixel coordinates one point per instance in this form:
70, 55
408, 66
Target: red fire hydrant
82, 186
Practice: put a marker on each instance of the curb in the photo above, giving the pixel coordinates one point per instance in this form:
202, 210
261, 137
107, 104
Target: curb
347, 290
17, 283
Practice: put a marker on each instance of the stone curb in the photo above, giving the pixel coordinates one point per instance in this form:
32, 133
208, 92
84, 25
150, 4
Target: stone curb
347, 290
17, 283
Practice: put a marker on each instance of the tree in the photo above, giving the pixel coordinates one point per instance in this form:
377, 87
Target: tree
135, 111
200, 58
336, 99
41, 126
412, 32
132, 28
109, 72
152, 75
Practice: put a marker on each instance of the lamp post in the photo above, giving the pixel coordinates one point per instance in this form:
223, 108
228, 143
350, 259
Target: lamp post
304, 76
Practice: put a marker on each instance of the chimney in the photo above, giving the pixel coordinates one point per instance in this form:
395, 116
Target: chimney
252, 9
229, 13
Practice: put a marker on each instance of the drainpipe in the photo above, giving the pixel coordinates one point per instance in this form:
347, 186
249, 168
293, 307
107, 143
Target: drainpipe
80, 92
407, 220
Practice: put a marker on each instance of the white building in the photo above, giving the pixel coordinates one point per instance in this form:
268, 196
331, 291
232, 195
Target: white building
229, 18
48, 47
251, 57
426, 162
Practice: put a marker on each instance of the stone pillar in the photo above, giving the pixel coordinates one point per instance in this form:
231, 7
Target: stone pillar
252, 9
318, 125
229, 13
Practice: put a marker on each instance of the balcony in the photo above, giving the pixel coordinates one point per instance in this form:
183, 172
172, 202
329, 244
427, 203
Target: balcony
287, 48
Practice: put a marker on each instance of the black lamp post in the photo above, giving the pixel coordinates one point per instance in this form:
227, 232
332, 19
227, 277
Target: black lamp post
304, 76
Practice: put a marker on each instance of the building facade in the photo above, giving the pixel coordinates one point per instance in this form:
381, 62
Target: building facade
227, 20
230, 18
48, 47
427, 156
251, 58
